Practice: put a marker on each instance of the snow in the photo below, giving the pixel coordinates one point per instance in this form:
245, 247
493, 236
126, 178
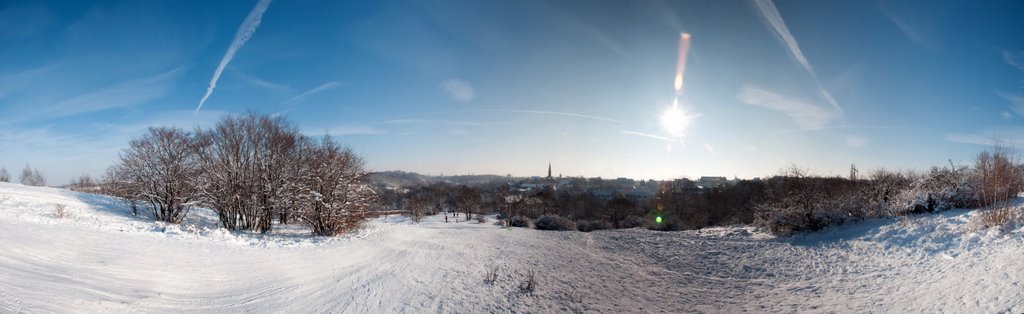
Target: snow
101, 259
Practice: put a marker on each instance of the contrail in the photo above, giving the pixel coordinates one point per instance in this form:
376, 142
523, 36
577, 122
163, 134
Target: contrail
771, 13
245, 31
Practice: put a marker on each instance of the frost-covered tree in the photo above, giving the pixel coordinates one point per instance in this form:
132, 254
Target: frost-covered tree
4, 176
334, 191
32, 177
251, 166
159, 169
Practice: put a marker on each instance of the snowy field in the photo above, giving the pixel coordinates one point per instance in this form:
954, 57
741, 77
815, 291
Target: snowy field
101, 259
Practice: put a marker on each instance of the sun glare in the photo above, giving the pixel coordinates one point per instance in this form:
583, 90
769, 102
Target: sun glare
675, 121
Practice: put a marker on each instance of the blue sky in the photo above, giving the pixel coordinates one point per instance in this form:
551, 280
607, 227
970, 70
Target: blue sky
459, 87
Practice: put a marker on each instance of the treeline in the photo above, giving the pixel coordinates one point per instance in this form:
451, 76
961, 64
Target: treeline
790, 202
794, 201
253, 170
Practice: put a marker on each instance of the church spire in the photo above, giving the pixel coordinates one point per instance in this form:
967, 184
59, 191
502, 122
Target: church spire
549, 171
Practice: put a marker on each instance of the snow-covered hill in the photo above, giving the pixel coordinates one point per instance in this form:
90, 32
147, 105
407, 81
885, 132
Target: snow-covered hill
101, 259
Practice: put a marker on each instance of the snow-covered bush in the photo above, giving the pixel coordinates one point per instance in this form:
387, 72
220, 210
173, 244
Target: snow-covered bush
519, 221
937, 190
554, 222
592, 225
32, 177
333, 194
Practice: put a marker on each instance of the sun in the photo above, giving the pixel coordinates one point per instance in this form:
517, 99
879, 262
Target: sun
675, 121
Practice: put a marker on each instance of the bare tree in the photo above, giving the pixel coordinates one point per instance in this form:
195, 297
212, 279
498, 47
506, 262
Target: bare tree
251, 167
997, 175
334, 192
4, 176
468, 200
160, 168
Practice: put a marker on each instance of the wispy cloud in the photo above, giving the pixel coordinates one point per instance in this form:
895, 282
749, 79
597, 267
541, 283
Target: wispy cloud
539, 112
446, 122
653, 136
344, 130
458, 90
805, 115
771, 14
907, 26
1005, 135
121, 95
568, 114
710, 149
1016, 103
264, 83
15, 82
319, 89
857, 141
1015, 59
243, 34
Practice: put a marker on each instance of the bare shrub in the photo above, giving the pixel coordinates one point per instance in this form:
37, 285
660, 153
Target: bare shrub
529, 285
481, 218
58, 211
996, 175
491, 276
999, 217
4, 176
554, 222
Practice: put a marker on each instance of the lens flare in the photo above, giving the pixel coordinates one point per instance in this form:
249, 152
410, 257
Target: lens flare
684, 49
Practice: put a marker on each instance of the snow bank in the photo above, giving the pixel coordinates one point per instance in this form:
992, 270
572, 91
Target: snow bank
101, 259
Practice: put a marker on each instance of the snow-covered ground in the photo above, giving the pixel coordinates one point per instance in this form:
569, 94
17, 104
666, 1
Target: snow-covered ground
101, 259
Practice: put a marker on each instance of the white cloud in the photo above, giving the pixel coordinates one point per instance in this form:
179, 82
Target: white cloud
1006, 115
805, 115
857, 141
774, 18
243, 34
458, 90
